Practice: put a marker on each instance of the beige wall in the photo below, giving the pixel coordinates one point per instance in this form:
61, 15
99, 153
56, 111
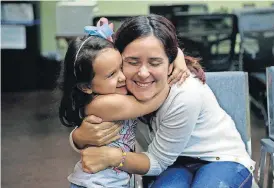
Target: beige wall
116, 7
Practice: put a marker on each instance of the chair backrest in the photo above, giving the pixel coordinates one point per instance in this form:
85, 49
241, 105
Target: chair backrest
231, 91
270, 100
209, 36
169, 10
256, 30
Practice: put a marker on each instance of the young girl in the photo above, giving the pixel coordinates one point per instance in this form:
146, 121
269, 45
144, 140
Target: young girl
94, 84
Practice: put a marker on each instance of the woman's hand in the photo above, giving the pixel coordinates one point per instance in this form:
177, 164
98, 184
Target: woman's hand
95, 132
95, 159
180, 71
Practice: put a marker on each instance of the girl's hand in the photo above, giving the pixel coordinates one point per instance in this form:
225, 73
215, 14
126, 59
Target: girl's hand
180, 71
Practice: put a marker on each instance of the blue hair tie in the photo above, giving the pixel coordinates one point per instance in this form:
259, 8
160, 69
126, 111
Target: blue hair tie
103, 31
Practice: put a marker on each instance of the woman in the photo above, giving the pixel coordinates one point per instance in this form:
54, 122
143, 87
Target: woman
192, 141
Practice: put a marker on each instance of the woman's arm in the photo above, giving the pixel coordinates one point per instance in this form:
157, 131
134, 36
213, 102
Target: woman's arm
95, 159
168, 143
114, 107
94, 132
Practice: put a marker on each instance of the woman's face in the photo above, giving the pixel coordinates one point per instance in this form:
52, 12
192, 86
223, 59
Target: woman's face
146, 67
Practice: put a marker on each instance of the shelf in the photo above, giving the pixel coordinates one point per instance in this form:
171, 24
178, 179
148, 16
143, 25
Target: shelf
26, 23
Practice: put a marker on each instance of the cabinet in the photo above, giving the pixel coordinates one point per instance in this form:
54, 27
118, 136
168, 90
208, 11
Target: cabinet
19, 66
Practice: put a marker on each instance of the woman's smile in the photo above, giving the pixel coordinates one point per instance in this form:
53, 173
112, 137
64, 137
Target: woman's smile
143, 84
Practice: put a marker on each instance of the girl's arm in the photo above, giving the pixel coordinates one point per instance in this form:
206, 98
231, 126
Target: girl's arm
114, 107
110, 108
168, 143
180, 71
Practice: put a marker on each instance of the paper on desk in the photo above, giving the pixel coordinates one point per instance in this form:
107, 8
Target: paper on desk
21, 12
13, 37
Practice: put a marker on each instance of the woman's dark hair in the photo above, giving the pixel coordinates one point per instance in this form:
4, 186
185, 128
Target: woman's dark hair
160, 27
142, 26
78, 73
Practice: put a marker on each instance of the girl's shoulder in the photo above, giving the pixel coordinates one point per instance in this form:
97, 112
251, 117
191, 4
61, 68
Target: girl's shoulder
130, 121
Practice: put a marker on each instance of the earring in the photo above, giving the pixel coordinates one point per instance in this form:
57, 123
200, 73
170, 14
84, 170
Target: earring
86, 88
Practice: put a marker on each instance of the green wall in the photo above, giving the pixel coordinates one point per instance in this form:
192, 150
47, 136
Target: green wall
48, 25
116, 7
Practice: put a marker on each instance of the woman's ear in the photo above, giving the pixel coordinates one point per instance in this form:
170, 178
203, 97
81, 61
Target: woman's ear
170, 68
86, 88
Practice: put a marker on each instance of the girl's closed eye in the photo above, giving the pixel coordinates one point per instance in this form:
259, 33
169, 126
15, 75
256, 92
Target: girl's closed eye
111, 74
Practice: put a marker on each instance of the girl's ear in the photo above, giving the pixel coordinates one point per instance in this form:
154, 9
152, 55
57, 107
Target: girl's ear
85, 88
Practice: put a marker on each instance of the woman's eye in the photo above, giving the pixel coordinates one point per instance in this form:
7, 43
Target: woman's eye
133, 63
155, 64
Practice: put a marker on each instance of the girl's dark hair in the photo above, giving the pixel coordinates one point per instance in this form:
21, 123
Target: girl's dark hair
142, 26
78, 72
160, 27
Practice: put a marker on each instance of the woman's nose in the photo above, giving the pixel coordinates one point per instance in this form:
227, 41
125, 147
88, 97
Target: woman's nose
143, 72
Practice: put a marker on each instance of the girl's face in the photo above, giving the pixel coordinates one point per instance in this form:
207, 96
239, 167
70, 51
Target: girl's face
108, 78
146, 67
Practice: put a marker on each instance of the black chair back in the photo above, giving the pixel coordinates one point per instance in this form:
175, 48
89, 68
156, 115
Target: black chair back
211, 37
256, 29
169, 10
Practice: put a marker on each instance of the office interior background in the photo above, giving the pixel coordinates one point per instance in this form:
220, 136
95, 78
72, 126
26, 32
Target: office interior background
34, 144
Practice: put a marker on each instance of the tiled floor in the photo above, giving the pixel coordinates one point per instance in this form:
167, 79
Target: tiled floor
35, 149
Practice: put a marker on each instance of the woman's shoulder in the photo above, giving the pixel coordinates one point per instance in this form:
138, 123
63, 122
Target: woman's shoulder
187, 95
191, 87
